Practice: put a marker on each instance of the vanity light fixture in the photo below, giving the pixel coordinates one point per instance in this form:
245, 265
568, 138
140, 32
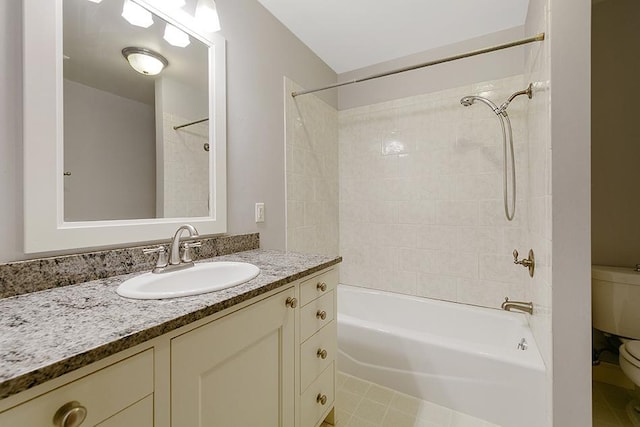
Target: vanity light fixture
136, 14
207, 15
145, 61
176, 37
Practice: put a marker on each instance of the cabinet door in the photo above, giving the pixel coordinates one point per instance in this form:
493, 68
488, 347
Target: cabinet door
237, 370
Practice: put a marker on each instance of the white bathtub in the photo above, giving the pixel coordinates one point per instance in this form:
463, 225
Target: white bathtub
459, 356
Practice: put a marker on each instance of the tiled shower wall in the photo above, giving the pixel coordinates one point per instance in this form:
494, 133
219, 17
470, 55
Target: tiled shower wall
311, 173
421, 209
186, 168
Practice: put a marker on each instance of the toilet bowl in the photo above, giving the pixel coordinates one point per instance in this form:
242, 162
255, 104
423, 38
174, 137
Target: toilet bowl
615, 306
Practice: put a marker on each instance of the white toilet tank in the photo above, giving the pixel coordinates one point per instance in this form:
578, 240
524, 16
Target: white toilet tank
615, 300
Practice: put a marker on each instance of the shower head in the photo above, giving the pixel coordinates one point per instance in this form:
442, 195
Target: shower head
467, 100
470, 100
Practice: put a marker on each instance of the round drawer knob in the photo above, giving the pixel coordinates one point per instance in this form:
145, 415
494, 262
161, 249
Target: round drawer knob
321, 399
322, 353
321, 286
321, 314
70, 414
291, 302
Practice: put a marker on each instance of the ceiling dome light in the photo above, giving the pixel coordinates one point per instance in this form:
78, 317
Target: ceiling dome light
136, 14
176, 37
207, 15
145, 61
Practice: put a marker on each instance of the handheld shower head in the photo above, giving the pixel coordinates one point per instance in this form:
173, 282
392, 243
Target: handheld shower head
502, 117
467, 100
470, 100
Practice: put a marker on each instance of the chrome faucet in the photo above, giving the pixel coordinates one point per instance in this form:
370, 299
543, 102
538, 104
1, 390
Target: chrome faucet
175, 261
517, 305
174, 251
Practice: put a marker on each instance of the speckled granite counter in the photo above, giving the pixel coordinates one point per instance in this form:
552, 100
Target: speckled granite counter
46, 334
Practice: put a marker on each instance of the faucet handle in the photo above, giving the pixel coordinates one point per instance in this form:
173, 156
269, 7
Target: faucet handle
157, 249
186, 254
528, 262
162, 255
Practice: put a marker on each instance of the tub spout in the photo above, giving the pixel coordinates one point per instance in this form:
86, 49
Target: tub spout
517, 305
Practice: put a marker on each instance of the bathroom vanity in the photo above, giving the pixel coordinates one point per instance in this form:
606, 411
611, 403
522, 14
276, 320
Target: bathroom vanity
261, 353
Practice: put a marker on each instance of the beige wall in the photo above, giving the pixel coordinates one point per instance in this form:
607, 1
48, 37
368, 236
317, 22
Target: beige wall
11, 131
570, 80
260, 51
116, 133
615, 145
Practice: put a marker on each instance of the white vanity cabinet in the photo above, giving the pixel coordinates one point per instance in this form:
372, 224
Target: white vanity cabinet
237, 370
318, 347
268, 361
118, 395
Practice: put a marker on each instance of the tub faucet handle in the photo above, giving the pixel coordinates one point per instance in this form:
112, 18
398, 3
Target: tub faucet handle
528, 262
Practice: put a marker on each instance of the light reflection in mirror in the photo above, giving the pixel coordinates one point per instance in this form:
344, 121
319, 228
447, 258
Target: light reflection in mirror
124, 158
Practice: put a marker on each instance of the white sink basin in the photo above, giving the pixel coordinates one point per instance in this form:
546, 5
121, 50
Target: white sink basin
199, 279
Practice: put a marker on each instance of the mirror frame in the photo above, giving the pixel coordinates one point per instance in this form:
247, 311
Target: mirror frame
44, 225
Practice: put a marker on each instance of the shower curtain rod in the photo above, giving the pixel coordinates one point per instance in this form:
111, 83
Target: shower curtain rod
190, 124
537, 38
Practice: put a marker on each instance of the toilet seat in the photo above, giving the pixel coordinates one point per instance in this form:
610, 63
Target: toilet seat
633, 348
630, 353
630, 360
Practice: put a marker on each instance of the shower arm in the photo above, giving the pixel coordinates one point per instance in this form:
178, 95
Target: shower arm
503, 108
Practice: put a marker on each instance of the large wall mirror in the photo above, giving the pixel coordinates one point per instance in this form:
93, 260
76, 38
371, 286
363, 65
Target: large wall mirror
124, 112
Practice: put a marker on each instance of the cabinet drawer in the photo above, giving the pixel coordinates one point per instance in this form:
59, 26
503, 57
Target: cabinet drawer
103, 393
311, 408
323, 343
315, 315
312, 288
139, 414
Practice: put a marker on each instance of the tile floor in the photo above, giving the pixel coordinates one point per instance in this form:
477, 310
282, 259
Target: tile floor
361, 403
609, 406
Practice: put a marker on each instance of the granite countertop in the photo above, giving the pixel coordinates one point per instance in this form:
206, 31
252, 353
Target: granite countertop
46, 334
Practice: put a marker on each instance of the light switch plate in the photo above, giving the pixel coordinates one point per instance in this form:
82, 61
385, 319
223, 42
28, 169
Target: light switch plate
259, 212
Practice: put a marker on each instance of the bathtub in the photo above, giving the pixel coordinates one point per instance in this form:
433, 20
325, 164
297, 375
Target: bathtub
462, 357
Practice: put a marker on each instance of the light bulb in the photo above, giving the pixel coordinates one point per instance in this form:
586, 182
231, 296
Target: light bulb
207, 15
136, 14
176, 37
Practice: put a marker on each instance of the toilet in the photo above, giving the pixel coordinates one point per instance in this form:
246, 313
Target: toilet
615, 305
